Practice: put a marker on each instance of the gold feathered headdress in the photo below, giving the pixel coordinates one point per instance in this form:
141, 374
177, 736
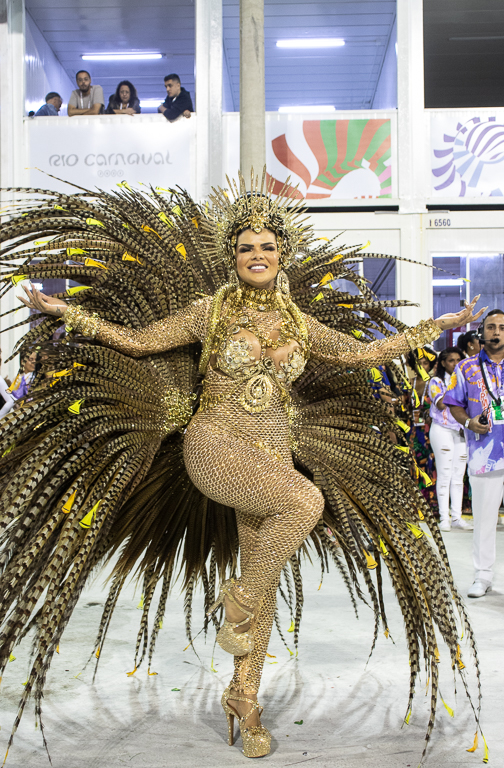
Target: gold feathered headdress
257, 210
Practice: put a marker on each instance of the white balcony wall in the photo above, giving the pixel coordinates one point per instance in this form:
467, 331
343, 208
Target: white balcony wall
44, 73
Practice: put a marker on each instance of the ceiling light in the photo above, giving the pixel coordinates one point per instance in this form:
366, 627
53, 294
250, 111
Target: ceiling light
120, 56
312, 42
448, 283
311, 108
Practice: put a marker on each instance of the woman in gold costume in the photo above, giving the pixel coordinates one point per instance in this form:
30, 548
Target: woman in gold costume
277, 387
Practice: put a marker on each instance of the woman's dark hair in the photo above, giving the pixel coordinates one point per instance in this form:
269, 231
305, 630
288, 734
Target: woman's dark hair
133, 102
440, 369
465, 338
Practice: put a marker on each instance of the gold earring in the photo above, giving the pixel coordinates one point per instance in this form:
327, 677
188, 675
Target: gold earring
282, 282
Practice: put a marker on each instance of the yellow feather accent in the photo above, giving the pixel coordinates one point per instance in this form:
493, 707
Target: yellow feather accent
387, 633
371, 562
93, 263
141, 603
291, 628
124, 184
421, 515
160, 625
195, 222
402, 448
128, 257
317, 297
77, 289
67, 507
15, 279
376, 375
270, 656
485, 759
425, 477
347, 306
326, 279
130, 674
177, 210
151, 673
335, 258
383, 547
95, 223
76, 406
448, 709
357, 334
75, 251
12, 657
164, 218
407, 718
57, 647
97, 654
459, 658
180, 248
8, 450
417, 532
87, 520
402, 425
475, 744
305, 261
436, 655
149, 229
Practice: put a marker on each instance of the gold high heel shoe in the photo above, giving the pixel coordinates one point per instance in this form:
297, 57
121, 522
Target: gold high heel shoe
237, 643
257, 739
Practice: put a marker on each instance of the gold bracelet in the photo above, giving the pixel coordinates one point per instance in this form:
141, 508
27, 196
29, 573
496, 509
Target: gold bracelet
77, 319
424, 333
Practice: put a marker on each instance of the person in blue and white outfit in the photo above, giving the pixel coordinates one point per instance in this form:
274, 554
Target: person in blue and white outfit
476, 400
448, 443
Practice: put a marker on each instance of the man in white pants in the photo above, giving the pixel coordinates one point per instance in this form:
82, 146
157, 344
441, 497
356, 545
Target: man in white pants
476, 389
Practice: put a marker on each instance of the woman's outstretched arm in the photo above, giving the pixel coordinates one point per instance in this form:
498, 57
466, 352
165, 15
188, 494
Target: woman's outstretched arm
183, 327
339, 348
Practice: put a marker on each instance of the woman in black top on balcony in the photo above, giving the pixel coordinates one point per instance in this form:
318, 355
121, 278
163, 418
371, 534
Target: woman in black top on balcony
124, 101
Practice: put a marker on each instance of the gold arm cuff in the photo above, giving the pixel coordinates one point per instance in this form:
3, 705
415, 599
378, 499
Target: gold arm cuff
81, 321
424, 333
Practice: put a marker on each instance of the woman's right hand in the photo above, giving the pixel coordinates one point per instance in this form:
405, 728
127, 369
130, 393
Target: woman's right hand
46, 304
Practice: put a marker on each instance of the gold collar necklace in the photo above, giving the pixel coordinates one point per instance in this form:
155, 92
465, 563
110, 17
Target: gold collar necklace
262, 299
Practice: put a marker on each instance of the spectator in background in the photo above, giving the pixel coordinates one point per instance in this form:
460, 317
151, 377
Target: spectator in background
469, 343
448, 443
178, 101
87, 99
124, 101
6, 399
22, 381
52, 106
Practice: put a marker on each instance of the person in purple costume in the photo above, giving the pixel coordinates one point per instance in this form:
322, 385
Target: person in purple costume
476, 400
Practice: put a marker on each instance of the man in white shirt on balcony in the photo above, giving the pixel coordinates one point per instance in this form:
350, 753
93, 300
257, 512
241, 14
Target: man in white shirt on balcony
87, 99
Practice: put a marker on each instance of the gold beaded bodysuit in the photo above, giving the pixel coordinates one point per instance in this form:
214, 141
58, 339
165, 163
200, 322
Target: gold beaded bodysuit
238, 447
110, 458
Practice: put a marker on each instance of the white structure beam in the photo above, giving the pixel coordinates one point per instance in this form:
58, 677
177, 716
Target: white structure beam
412, 282
252, 90
208, 96
13, 154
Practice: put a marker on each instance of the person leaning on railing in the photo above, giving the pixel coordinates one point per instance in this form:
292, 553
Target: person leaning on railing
124, 101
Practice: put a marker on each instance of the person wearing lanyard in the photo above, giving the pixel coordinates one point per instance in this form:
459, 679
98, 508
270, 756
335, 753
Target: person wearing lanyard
448, 443
476, 400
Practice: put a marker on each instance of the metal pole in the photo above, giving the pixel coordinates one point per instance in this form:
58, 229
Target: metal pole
252, 99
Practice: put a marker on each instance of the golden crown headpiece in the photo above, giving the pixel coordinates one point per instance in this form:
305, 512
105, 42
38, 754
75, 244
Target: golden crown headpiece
236, 209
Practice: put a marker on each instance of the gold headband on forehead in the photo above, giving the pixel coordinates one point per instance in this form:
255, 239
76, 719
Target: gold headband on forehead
257, 210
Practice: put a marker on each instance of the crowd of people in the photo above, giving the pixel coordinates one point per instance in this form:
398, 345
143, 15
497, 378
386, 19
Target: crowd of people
88, 99
450, 407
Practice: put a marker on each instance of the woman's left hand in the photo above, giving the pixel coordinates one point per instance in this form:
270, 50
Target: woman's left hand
456, 319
